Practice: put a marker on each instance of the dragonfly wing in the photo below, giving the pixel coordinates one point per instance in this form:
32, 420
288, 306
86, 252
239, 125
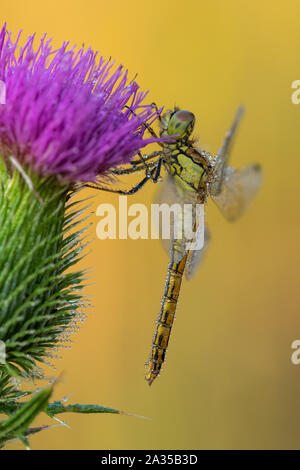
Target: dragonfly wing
222, 157
196, 256
176, 209
238, 190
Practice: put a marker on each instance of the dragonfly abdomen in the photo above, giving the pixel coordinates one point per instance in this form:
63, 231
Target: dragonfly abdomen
165, 320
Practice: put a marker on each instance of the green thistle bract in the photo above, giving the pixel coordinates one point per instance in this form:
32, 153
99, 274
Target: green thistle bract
37, 297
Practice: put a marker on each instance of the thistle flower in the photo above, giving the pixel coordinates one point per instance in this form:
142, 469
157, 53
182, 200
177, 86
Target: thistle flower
65, 111
66, 117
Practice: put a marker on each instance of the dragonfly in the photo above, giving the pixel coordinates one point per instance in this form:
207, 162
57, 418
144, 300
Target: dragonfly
193, 175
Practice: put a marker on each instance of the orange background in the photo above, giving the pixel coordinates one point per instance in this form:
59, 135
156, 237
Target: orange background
228, 381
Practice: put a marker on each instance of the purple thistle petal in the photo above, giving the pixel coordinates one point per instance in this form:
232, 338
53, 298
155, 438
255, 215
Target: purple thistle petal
64, 113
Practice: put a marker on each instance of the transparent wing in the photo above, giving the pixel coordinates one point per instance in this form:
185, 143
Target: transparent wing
222, 157
196, 257
177, 219
238, 190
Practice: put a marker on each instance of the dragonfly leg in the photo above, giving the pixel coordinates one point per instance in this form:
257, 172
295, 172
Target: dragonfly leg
133, 190
154, 105
138, 165
144, 163
149, 128
129, 171
156, 176
152, 155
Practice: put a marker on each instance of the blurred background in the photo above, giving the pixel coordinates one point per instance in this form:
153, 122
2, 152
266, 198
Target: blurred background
228, 381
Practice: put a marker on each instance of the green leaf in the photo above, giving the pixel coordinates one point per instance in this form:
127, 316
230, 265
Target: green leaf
11, 437
58, 407
18, 422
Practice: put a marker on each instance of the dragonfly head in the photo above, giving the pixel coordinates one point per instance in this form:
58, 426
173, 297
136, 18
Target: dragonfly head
181, 123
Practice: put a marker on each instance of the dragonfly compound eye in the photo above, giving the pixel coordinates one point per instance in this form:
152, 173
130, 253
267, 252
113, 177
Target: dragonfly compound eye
181, 124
